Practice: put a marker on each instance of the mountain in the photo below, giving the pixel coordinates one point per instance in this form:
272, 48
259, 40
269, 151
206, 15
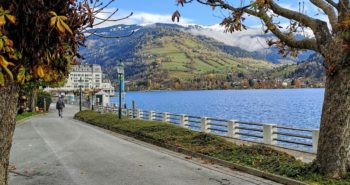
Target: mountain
242, 40
172, 56
311, 70
170, 46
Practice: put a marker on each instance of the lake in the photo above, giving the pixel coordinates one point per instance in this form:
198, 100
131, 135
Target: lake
289, 107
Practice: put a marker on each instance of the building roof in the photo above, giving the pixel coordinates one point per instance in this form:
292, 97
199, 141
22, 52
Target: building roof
87, 68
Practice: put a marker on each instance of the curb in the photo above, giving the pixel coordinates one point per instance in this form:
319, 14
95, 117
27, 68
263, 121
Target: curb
28, 118
249, 170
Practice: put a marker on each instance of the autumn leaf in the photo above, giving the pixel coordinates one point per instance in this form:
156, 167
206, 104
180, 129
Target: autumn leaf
53, 14
4, 64
180, 2
40, 71
66, 27
5, 14
11, 18
1, 44
28, 76
2, 79
21, 75
176, 16
2, 20
60, 26
53, 21
8, 42
58, 21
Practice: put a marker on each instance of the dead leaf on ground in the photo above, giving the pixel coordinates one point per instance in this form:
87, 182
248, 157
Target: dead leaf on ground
12, 167
188, 157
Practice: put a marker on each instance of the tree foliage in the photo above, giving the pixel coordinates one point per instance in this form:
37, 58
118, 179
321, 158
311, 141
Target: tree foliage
39, 39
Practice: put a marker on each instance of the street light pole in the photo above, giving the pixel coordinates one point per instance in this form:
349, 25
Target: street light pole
80, 87
120, 95
93, 95
120, 71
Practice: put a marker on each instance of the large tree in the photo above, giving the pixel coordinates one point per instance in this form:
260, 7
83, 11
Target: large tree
39, 40
330, 38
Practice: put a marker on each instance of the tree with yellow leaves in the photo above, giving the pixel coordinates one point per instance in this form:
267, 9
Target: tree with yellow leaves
39, 40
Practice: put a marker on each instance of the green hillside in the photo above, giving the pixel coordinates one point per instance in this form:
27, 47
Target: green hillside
163, 56
181, 57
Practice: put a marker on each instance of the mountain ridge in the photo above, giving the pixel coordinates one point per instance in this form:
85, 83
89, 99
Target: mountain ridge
167, 56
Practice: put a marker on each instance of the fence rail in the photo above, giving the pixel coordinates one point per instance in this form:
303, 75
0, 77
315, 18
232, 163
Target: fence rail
270, 134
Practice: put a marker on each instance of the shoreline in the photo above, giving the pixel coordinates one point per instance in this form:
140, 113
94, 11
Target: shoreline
247, 89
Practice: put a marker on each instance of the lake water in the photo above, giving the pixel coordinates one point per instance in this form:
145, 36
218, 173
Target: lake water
289, 107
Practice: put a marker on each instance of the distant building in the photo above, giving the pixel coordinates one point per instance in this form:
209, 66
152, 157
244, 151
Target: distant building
89, 76
284, 84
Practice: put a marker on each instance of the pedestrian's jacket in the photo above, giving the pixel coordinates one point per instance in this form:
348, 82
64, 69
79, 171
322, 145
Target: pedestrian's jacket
60, 104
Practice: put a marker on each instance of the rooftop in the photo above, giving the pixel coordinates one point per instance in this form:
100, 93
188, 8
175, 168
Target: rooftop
87, 68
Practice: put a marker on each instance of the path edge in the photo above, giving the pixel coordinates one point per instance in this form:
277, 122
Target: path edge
249, 170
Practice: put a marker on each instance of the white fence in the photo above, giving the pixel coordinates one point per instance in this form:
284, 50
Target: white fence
270, 134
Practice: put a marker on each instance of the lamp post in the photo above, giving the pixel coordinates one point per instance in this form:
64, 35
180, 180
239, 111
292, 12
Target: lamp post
80, 87
93, 96
120, 71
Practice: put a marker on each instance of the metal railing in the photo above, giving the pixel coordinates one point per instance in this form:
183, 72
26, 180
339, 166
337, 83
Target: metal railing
270, 134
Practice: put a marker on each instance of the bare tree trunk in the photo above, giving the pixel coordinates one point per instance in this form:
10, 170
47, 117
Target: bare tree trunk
8, 111
32, 102
333, 153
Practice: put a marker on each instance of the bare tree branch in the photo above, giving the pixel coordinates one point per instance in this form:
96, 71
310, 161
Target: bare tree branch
114, 20
296, 16
287, 39
103, 7
329, 10
331, 2
343, 7
107, 37
299, 44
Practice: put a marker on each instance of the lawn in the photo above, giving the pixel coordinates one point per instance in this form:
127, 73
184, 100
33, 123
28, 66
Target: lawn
25, 115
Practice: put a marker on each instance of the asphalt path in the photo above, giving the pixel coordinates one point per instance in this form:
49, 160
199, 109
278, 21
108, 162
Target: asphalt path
48, 150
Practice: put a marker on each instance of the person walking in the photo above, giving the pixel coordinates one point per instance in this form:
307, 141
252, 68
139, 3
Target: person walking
59, 106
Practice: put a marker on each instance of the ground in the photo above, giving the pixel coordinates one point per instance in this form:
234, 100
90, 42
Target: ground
55, 151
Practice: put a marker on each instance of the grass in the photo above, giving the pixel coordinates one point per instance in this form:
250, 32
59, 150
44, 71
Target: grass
25, 115
184, 49
259, 157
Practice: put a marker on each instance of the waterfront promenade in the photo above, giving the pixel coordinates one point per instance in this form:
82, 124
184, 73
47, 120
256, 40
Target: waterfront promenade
55, 151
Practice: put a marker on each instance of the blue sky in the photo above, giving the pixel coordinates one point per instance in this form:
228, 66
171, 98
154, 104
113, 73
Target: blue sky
193, 13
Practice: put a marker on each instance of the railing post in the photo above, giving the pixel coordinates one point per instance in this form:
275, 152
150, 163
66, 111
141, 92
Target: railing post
315, 137
232, 129
205, 125
269, 134
183, 120
165, 117
152, 115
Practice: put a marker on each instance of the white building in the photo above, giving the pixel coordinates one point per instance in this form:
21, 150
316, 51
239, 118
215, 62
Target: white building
89, 76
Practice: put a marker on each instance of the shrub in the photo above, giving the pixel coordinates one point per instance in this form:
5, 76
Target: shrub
44, 96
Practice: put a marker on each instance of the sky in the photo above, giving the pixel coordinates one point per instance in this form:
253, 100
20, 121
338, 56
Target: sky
151, 11
159, 11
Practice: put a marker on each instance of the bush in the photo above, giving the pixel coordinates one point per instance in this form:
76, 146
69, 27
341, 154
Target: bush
44, 96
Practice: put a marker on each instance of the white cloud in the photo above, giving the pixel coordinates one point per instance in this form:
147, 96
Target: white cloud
252, 39
141, 18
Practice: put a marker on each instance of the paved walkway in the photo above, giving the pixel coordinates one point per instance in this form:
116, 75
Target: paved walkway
48, 150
